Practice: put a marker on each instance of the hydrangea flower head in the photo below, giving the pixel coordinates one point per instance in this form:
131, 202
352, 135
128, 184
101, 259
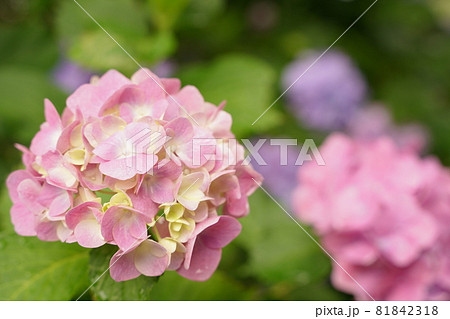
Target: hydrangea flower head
384, 214
139, 163
328, 92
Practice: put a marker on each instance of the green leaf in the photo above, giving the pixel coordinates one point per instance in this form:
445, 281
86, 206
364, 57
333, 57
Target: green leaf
165, 13
35, 270
35, 48
23, 90
105, 288
22, 105
71, 20
201, 12
245, 82
93, 48
172, 286
278, 248
5, 206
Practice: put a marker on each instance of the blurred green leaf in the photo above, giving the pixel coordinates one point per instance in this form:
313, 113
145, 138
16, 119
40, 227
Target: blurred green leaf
96, 50
123, 17
245, 82
5, 207
278, 249
28, 45
200, 12
91, 47
106, 288
165, 13
35, 270
172, 286
22, 105
418, 101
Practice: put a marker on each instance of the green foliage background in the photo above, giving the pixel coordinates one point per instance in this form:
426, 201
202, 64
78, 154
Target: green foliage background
401, 46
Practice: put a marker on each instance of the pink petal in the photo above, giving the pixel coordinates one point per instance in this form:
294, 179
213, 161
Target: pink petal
179, 130
57, 200
176, 260
130, 94
217, 232
23, 220
29, 192
111, 148
162, 190
88, 233
144, 74
190, 98
28, 158
89, 98
203, 263
171, 86
151, 259
47, 138
122, 266
59, 205
13, 181
47, 231
123, 238
125, 226
60, 173
51, 114
81, 212
63, 143
143, 203
91, 178
126, 168
203, 250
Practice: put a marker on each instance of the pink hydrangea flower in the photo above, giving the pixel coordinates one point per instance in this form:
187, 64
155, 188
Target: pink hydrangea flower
163, 160
383, 213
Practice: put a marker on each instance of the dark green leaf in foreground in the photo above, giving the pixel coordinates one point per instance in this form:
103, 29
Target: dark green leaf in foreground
282, 256
172, 286
279, 250
106, 288
35, 270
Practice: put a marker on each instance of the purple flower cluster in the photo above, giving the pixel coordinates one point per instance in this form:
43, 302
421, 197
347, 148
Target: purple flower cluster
69, 76
278, 176
328, 93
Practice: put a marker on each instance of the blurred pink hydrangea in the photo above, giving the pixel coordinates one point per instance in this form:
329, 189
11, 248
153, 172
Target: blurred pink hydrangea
139, 163
384, 214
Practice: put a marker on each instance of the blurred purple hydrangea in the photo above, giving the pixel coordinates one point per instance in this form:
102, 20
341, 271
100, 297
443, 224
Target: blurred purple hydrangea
279, 179
328, 94
165, 69
69, 75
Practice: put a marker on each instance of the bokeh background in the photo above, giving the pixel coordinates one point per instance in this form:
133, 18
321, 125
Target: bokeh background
389, 74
